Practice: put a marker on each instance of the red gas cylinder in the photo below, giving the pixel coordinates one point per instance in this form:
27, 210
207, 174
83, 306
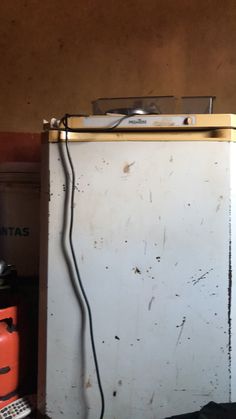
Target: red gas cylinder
9, 356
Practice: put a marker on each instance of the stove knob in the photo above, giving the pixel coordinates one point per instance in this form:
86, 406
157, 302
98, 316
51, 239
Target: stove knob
188, 121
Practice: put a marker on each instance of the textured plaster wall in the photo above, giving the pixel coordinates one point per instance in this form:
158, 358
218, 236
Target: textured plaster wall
56, 56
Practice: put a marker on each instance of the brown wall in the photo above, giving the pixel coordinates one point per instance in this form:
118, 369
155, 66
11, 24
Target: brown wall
19, 147
56, 56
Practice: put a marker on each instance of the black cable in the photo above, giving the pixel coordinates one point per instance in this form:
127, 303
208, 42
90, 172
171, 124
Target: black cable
77, 270
64, 120
116, 124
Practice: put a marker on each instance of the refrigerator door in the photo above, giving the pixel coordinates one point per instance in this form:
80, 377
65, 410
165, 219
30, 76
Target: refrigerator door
152, 235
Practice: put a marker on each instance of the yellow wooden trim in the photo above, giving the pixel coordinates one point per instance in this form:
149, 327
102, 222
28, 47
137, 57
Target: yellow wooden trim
203, 135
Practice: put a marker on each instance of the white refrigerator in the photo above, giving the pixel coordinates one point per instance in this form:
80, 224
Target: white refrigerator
153, 232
